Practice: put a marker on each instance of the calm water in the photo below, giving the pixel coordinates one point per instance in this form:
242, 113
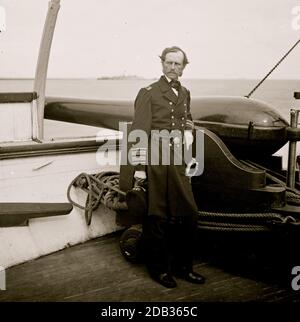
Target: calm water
278, 93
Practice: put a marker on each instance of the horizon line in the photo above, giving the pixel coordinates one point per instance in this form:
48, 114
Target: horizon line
139, 78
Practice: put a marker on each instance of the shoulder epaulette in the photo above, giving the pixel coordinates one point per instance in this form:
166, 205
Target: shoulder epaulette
148, 88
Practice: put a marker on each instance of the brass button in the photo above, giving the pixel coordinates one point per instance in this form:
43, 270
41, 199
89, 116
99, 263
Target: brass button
173, 124
182, 118
172, 116
182, 124
172, 110
170, 103
184, 104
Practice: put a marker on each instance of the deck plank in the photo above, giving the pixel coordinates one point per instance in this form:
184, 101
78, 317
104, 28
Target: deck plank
96, 271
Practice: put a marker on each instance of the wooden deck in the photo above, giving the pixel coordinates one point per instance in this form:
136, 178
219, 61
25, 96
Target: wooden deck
96, 271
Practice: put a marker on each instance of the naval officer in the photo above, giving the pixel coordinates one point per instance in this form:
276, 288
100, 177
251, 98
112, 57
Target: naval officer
162, 111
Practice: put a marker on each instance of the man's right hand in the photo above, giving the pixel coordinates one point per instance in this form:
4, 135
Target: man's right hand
140, 175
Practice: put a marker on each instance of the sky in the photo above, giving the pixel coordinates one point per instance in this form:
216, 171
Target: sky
96, 38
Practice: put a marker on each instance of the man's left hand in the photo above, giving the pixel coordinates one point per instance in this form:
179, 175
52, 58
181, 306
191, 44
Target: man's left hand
188, 138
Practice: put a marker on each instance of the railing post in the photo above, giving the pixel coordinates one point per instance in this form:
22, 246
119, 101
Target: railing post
290, 179
42, 64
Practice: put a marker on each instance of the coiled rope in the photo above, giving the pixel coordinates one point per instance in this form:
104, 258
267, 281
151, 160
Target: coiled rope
241, 216
292, 198
101, 188
238, 222
232, 228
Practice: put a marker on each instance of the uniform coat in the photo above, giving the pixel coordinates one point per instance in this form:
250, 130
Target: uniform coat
157, 107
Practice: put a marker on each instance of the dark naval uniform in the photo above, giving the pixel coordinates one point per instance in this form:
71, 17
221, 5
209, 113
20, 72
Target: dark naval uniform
170, 198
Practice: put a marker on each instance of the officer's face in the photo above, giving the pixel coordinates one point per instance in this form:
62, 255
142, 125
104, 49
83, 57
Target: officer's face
173, 65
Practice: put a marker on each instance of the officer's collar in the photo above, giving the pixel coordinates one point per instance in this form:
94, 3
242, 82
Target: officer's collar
167, 91
164, 84
168, 79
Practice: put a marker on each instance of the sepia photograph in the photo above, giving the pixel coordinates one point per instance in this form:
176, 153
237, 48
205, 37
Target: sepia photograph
149, 155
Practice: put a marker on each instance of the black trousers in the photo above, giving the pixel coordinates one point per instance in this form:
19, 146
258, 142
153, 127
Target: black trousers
169, 243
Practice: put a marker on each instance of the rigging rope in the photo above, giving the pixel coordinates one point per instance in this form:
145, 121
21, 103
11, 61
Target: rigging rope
278, 63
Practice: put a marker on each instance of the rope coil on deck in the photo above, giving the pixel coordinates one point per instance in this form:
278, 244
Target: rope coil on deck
233, 228
101, 188
221, 221
292, 198
242, 216
238, 222
104, 188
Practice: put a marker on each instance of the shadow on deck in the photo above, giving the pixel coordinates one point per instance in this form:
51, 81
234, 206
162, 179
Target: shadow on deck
96, 271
